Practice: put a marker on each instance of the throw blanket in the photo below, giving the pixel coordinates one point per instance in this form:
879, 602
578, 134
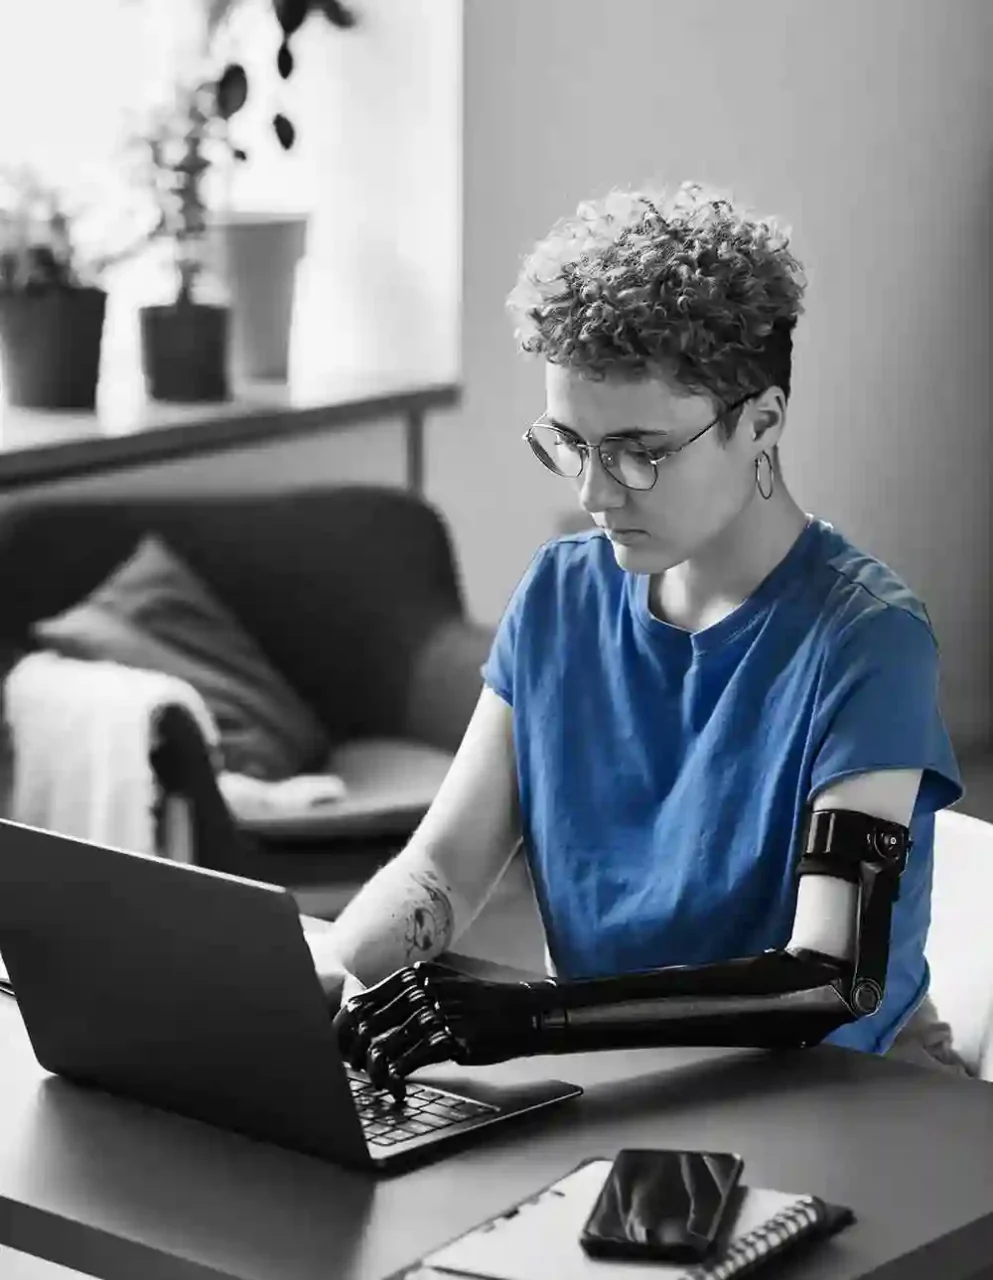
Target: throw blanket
82, 733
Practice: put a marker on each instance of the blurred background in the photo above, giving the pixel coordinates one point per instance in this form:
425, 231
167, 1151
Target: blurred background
437, 141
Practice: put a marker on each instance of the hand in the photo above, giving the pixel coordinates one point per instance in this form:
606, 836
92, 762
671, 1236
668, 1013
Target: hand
426, 1013
336, 981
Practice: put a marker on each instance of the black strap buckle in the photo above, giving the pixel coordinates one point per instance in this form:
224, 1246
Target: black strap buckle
871, 853
840, 840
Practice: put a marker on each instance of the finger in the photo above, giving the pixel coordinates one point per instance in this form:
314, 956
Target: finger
354, 1036
364, 1022
386, 1004
380, 994
382, 1018
423, 1038
385, 1050
383, 1076
393, 1072
344, 1025
437, 1047
365, 1012
352, 987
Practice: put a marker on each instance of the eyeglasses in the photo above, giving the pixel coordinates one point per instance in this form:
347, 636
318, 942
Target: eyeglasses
629, 462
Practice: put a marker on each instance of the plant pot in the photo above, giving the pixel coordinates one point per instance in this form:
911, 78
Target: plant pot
256, 257
184, 351
50, 347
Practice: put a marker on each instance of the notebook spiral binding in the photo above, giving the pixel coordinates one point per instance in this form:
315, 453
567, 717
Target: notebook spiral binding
797, 1219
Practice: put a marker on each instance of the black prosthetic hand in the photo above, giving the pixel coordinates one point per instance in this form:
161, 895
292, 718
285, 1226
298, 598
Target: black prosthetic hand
785, 998
426, 1013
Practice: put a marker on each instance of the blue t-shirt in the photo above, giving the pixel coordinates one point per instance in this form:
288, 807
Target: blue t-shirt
665, 776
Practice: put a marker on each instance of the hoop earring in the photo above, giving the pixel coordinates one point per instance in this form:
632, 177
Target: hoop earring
772, 475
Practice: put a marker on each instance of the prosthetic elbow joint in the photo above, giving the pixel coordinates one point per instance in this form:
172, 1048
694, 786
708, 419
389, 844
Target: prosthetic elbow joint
787, 998
781, 998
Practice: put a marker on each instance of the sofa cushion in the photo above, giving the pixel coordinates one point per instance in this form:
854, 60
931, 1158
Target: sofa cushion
389, 784
154, 612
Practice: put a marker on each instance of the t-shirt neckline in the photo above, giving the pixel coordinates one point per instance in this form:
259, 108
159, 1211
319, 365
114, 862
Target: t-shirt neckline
768, 590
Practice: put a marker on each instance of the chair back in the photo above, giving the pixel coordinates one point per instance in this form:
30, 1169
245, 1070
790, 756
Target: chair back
339, 585
959, 947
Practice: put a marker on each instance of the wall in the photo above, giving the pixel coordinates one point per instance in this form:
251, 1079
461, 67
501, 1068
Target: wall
381, 105
866, 126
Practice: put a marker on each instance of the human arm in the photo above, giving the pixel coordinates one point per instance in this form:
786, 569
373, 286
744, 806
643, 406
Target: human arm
831, 972
876, 738
425, 897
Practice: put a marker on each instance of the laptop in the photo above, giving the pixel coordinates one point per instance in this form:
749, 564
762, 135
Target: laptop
195, 991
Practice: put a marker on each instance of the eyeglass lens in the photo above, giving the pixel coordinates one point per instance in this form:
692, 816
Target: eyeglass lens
629, 463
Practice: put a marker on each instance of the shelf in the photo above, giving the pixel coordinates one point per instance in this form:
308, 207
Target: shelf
128, 430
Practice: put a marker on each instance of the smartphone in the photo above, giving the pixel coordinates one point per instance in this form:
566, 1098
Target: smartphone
662, 1205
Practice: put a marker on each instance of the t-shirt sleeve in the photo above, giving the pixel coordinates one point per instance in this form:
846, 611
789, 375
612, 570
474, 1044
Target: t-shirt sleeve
498, 669
879, 708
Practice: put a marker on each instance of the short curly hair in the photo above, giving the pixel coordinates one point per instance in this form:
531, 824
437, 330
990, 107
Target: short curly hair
638, 285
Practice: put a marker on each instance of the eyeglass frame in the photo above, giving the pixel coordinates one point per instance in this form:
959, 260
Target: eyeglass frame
655, 456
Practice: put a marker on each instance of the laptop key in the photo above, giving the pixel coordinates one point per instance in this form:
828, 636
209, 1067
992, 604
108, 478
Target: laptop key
424, 1110
440, 1107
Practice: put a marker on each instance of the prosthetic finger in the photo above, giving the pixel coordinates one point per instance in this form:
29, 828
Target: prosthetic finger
398, 1052
437, 1047
345, 1025
354, 1037
381, 1022
370, 1014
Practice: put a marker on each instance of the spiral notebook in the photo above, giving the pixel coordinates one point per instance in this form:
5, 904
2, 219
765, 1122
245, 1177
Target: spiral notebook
539, 1237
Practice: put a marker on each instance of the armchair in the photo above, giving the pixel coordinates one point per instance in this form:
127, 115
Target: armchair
352, 593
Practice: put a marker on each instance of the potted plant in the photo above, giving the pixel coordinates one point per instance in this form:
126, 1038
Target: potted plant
51, 306
184, 343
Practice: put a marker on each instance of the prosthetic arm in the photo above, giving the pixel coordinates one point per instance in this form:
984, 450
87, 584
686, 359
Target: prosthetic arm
788, 997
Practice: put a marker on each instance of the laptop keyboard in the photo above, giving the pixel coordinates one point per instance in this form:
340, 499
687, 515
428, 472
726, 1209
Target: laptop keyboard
423, 1110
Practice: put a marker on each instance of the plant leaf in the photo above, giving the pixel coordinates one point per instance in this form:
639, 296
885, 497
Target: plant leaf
284, 61
290, 14
337, 14
284, 131
232, 90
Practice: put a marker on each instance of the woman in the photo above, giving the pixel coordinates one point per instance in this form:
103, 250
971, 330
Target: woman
673, 695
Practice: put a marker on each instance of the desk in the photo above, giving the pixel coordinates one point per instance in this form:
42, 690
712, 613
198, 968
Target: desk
124, 1192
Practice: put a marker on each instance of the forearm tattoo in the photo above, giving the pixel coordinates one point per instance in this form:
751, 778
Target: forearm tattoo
429, 924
